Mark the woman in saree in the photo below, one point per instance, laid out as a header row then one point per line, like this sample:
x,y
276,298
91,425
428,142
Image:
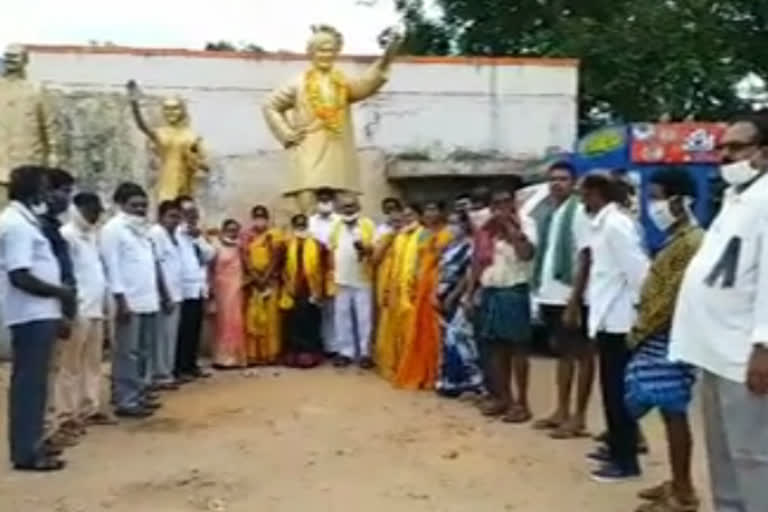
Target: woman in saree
x,y
418,365
388,251
228,279
303,292
262,252
459,370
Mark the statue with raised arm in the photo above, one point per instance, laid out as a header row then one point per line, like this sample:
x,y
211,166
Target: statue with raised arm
x,y
179,149
26,124
311,116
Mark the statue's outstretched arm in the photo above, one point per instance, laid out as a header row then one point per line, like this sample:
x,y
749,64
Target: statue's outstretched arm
x,y
376,76
141,124
274,109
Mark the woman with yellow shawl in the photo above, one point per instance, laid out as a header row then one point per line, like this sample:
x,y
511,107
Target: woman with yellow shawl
x,y
262,252
389,248
303,291
419,361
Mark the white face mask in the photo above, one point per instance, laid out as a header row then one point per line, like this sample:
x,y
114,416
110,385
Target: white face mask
x,y
738,173
352,217
39,208
326,207
661,214
480,217
136,222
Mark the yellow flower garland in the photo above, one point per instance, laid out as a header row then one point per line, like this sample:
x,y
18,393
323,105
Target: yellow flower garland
x,y
330,111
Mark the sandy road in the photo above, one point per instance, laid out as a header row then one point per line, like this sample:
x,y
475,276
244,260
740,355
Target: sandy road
x,y
323,441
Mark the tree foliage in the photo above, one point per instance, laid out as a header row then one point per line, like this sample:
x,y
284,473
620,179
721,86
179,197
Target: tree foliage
x,y
639,60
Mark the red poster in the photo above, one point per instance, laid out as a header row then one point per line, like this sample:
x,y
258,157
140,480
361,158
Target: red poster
x,y
675,143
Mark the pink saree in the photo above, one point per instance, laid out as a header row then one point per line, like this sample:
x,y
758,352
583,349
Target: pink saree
x,y
228,280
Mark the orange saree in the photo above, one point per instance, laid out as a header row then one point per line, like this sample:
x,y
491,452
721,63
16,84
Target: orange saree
x,y
419,361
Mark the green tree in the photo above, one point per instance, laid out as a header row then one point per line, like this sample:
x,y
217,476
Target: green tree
x,y
639,60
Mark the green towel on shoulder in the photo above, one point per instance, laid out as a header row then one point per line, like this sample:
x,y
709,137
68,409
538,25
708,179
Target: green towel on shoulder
x,y
564,250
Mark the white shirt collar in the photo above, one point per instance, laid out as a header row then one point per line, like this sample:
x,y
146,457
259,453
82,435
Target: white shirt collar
x,y
598,219
25,212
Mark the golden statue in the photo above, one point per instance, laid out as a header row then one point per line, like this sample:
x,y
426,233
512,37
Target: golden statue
x,y
180,150
26,126
311,116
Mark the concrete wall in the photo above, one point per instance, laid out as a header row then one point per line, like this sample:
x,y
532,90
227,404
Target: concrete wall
x,y
436,108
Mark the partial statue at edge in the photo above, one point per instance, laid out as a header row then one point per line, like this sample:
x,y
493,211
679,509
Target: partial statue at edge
x,y
26,124
179,148
311,116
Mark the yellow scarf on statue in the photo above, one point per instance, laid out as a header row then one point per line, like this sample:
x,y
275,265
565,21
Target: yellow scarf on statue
x,y
311,265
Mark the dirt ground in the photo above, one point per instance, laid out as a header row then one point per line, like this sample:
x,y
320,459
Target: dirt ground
x,y
324,440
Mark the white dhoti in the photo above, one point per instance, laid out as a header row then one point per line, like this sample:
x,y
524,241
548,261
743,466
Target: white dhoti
x,y
353,321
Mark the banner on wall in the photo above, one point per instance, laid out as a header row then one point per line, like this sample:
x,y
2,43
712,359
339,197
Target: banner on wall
x,y
675,143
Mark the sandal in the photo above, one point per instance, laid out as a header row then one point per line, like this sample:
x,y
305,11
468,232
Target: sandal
x,y
518,415
569,432
670,504
494,408
656,493
547,424
101,419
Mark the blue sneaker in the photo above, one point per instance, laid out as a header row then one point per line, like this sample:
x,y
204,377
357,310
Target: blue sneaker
x,y
611,473
600,454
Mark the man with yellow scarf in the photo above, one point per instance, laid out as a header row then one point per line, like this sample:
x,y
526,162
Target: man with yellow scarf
x,y
351,244
303,290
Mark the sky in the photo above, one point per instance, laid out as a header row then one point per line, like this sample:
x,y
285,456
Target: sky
x,y
272,24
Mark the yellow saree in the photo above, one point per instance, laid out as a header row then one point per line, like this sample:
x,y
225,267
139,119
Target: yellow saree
x,y
262,316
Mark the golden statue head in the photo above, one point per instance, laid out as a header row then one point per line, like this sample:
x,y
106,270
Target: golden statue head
x,y
174,111
15,60
324,46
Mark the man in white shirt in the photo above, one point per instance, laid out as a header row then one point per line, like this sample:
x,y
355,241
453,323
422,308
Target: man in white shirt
x,y
166,246
721,323
618,269
351,244
196,253
81,369
32,296
320,226
559,278
133,281
322,221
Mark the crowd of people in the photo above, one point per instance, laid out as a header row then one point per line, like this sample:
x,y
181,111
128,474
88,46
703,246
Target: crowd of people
x,y
433,298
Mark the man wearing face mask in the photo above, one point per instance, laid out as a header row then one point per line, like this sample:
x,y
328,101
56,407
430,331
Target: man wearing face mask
x,y
62,426
721,322
83,368
319,228
652,381
195,255
133,281
32,295
166,246
351,244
